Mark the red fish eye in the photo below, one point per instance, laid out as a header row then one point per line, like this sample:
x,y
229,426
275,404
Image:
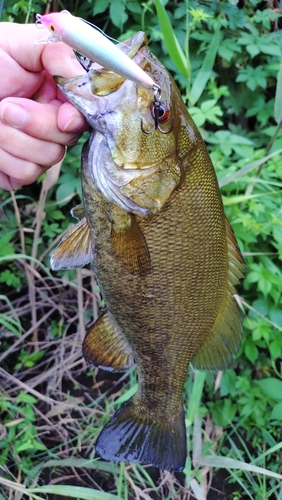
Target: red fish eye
x,y
163,114
52,27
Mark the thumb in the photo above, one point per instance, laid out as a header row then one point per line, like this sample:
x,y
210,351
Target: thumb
x,y
59,60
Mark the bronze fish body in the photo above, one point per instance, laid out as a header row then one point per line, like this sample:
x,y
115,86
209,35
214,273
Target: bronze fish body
x,y
164,255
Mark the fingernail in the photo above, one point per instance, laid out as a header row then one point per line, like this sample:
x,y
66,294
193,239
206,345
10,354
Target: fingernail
x,y
13,115
75,124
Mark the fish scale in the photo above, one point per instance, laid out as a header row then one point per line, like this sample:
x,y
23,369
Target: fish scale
x,y
164,255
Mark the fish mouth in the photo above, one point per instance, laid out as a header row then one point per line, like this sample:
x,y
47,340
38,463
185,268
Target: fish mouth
x,y
66,82
60,80
78,91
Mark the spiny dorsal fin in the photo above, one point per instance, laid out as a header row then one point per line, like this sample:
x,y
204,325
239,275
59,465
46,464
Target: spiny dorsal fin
x,y
105,346
75,248
224,341
131,248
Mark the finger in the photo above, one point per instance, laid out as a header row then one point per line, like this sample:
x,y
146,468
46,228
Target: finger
x,y
15,80
70,120
33,56
6,183
23,146
15,36
26,65
48,90
37,121
59,60
16,172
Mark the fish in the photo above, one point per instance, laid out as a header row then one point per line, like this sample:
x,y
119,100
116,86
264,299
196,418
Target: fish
x,y
153,227
92,44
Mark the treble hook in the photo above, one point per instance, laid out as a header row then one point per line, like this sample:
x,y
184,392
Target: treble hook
x,y
38,21
156,111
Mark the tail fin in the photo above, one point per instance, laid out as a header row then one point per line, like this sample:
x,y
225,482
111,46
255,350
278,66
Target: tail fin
x,y
131,437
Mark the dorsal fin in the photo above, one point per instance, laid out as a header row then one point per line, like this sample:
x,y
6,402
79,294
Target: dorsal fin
x,y
224,341
236,261
75,248
106,347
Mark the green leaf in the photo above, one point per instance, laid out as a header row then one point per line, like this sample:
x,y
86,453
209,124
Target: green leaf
x,y
30,444
269,48
227,49
223,412
205,72
248,168
253,50
94,464
118,14
173,47
232,463
276,413
74,492
251,351
241,198
275,315
127,395
100,6
195,397
68,187
11,324
271,387
57,215
26,398
275,349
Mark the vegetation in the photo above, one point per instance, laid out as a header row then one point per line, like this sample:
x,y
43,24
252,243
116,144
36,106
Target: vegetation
x,y
226,58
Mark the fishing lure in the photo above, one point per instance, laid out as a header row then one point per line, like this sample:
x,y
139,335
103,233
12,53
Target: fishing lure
x,y
91,43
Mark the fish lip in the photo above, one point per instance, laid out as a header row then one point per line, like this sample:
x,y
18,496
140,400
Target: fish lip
x,y
62,81
78,90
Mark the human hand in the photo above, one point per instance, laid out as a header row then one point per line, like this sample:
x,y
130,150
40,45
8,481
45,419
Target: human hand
x,y
36,122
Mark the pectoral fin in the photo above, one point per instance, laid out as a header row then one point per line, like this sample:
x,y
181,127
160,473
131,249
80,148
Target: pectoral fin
x,y
105,346
131,248
75,248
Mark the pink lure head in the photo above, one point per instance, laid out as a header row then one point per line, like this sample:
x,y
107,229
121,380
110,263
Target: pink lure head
x,y
53,22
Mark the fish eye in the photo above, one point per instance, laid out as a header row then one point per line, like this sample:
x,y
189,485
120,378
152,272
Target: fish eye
x,y
52,27
159,111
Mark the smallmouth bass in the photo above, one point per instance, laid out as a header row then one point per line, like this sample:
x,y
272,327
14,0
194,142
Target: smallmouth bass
x,y
164,255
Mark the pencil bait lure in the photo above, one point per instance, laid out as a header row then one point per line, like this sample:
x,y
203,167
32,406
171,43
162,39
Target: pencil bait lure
x,y
91,43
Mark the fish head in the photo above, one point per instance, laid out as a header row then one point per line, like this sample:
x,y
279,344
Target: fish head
x,y
143,148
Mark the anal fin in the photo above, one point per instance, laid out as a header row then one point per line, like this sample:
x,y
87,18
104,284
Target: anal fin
x,y
75,248
104,346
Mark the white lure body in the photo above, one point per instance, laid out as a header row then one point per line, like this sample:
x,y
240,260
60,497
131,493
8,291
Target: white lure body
x,y
91,43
